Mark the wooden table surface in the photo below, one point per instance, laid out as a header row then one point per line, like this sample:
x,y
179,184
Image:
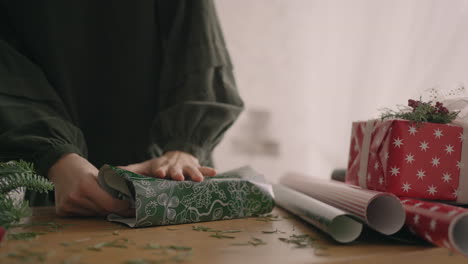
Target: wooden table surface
x,y
71,240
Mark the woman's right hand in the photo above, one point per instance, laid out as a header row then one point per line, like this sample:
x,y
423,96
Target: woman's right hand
x,y
77,191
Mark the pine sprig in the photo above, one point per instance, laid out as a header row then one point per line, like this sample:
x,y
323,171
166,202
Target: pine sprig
x,y
423,112
10,167
28,180
11,211
15,175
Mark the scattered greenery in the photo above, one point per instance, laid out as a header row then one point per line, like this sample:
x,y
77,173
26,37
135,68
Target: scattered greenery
x,y
182,253
300,241
173,247
268,218
208,229
253,242
118,243
273,232
420,111
220,236
25,255
50,226
24,235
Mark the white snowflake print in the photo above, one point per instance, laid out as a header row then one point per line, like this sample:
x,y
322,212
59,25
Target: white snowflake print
x,y
452,213
433,224
409,158
449,149
356,147
424,146
438,133
432,190
459,165
434,208
404,201
461,137
398,142
418,204
406,187
369,176
446,177
412,130
381,180
428,237
376,166
435,161
394,171
416,219
421,174
455,193
386,155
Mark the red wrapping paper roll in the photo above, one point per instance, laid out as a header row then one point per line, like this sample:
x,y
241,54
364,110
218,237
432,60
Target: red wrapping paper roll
x,y
441,224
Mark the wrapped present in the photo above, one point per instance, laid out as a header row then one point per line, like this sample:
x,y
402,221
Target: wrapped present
x,y
407,158
440,224
238,193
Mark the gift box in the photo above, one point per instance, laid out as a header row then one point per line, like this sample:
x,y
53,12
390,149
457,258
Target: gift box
x,y
238,193
419,160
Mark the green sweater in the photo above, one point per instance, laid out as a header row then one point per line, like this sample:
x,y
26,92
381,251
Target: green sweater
x,y
115,81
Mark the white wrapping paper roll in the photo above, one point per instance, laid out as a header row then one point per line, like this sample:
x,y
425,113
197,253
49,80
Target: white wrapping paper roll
x,y
333,221
381,211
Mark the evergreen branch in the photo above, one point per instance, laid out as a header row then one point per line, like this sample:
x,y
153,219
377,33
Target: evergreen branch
x,y
10,167
423,112
15,175
27,180
11,211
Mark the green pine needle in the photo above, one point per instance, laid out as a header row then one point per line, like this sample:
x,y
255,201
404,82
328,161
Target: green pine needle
x,y
11,211
422,112
13,176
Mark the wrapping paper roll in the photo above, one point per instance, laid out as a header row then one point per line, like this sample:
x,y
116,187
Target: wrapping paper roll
x,y
335,222
381,211
441,224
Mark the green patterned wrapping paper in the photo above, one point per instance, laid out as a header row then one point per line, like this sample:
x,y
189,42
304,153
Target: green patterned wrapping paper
x,y
234,194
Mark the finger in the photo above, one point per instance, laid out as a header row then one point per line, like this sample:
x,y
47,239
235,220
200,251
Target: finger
x,y
160,172
194,173
139,168
207,171
176,174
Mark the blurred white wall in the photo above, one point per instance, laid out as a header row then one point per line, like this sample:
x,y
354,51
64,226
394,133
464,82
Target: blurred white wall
x,y
307,68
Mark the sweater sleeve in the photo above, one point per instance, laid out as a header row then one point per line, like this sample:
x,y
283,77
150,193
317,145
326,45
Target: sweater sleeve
x,y
34,123
199,100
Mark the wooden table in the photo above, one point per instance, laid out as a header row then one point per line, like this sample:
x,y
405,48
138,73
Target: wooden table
x,y
69,242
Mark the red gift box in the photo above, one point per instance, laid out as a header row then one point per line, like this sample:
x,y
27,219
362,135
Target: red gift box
x,y
408,159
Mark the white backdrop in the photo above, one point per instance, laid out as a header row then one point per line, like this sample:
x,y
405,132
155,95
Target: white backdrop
x,y
307,68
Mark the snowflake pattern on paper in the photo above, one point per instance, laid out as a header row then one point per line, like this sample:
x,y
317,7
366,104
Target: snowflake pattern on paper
x,y
433,221
420,161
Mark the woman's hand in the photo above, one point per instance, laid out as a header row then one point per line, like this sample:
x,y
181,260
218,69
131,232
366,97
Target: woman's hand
x,y
77,191
175,165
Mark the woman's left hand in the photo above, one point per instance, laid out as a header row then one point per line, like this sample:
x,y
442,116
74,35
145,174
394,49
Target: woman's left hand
x,y
175,165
